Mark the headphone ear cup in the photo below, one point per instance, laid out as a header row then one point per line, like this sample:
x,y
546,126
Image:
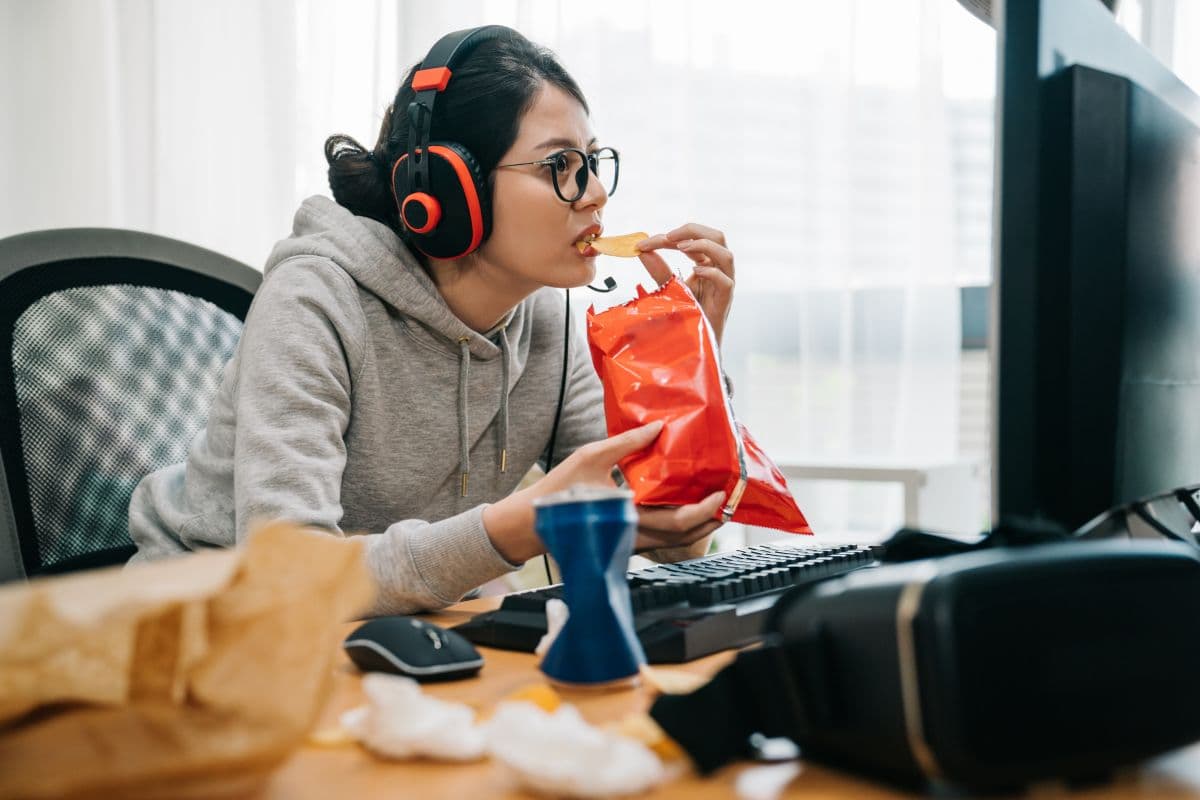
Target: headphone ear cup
x,y
455,217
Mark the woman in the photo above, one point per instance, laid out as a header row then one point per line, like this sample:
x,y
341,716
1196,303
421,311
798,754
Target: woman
x,y
379,390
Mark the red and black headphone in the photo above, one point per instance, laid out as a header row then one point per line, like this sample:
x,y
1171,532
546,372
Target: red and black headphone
x,y
439,188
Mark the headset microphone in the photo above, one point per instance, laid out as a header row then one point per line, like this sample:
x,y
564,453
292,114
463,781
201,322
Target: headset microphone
x,y
609,285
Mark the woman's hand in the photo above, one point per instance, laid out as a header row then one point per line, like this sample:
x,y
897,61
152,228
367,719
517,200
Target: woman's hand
x,y
712,278
675,531
509,523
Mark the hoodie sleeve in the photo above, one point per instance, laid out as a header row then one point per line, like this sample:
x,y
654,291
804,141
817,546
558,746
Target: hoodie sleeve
x,y
293,397
300,350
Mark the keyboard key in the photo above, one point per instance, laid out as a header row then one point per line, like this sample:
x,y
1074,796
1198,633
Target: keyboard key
x,y
666,594
702,594
526,601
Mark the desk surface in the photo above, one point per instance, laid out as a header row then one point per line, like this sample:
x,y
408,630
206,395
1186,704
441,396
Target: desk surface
x,y
349,771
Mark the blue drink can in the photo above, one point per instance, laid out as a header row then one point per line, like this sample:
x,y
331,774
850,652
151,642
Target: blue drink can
x,y
590,531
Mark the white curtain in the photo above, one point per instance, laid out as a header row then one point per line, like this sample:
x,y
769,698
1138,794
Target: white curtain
x,y
819,136
199,121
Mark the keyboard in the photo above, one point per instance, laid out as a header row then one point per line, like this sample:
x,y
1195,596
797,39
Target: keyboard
x,y
689,609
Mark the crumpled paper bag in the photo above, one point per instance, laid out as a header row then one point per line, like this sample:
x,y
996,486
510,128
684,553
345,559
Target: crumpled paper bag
x,y
194,676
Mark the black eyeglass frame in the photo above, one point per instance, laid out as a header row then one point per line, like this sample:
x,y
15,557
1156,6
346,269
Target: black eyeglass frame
x,y
590,162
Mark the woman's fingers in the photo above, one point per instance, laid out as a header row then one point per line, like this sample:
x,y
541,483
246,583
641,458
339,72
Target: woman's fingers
x,y
705,253
693,230
656,242
678,527
656,265
655,540
705,247
607,452
720,283
681,518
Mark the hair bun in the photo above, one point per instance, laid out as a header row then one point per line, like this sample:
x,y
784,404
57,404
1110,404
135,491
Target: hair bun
x,y
340,146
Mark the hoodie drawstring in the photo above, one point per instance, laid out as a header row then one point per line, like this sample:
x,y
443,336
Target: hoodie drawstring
x,y
464,365
504,401
464,454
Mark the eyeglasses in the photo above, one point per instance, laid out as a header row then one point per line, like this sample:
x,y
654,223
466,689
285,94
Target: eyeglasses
x,y
569,170
1174,515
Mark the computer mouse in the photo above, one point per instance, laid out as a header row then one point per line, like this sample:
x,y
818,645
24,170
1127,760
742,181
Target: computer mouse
x,y
413,648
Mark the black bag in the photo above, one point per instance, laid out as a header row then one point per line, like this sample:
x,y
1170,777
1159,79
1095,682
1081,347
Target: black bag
x,y
990,669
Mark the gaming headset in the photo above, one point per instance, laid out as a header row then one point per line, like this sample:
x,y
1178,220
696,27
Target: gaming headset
x,y
439,188
443,199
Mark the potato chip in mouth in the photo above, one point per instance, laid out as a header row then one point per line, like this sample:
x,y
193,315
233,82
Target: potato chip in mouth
x,y
622,246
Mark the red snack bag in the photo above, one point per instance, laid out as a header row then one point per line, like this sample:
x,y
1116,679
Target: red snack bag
x,y
657,359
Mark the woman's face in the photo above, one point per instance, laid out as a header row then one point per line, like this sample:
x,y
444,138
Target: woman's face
x,y
533,230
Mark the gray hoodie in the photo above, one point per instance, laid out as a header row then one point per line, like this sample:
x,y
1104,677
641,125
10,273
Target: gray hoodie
x,y
358,402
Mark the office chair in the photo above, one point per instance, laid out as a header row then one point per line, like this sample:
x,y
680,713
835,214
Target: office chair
x,y
113,344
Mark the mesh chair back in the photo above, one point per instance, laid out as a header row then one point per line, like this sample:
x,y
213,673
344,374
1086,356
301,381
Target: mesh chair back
x,y
112,382
111,365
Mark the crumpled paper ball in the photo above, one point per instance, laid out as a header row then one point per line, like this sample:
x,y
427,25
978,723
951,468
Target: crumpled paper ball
x,y
401,721
560,754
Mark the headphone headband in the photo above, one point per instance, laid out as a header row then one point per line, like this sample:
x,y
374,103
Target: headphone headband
x,y
441,192
432,77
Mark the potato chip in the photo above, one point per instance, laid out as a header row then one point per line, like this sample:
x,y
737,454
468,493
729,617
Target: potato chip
x,y
672,681
642,728
622,246
336,736
540,694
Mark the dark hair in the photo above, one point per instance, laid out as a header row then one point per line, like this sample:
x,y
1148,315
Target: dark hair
x,y
481,109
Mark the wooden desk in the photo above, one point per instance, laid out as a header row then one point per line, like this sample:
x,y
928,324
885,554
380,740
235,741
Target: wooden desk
x,y
351,772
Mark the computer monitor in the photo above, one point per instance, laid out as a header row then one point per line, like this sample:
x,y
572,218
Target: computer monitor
x,y
1097,254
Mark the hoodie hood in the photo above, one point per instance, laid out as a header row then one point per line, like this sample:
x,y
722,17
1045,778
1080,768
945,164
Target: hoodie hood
x,y
380,262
